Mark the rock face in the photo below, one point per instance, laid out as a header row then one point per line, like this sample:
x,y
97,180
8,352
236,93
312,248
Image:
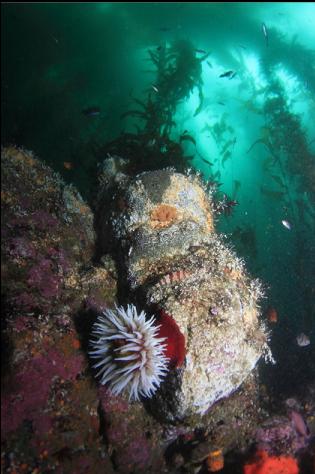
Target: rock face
x,y
176,264
54,417
41,253
49,417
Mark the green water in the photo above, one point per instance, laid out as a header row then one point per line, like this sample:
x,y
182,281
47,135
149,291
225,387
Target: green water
x,y
256,127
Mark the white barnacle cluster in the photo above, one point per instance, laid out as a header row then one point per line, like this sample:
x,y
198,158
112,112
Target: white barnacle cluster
x,y
131,356
256,289
265,350
267,354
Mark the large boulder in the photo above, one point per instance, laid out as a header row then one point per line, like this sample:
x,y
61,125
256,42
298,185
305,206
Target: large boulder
x,y
178,268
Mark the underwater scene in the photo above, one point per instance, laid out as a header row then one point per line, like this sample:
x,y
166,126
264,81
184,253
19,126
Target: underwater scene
x,y
158,238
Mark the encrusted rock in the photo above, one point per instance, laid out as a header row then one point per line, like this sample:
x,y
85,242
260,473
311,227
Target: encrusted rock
x,y
176,264
49,419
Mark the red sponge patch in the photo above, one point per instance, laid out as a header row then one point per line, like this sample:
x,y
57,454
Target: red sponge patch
x,y
265,464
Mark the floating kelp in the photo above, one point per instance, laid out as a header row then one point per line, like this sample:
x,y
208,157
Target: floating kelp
x,y
272,194
178,72
134,113
236,187
278,180
201,97
219,129
145,151
225,157
269,162
228,144
286,133
263,141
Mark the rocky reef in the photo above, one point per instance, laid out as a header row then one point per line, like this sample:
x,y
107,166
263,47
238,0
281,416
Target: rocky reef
x,y
58,275
49,407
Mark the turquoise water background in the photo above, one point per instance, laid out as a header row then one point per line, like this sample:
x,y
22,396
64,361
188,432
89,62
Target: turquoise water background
x,y
256,129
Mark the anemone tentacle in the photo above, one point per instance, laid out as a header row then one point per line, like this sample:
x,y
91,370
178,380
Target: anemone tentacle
x,y
139,364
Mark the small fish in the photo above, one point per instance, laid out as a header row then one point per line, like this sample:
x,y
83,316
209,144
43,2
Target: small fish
x,y
209,64
201,51
265,32
155,88
206,161
303,340
272,194
185,136
286,224
55,39
272,315
68,165
221,103
227,74
91,111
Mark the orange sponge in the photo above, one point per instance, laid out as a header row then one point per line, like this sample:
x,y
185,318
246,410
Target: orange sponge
x,y
265,464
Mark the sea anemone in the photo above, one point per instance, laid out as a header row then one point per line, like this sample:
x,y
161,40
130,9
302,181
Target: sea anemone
x,y
132,357
175,349
163,216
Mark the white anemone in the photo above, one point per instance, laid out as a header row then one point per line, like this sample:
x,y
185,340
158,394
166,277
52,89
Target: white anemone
x,y
131,356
